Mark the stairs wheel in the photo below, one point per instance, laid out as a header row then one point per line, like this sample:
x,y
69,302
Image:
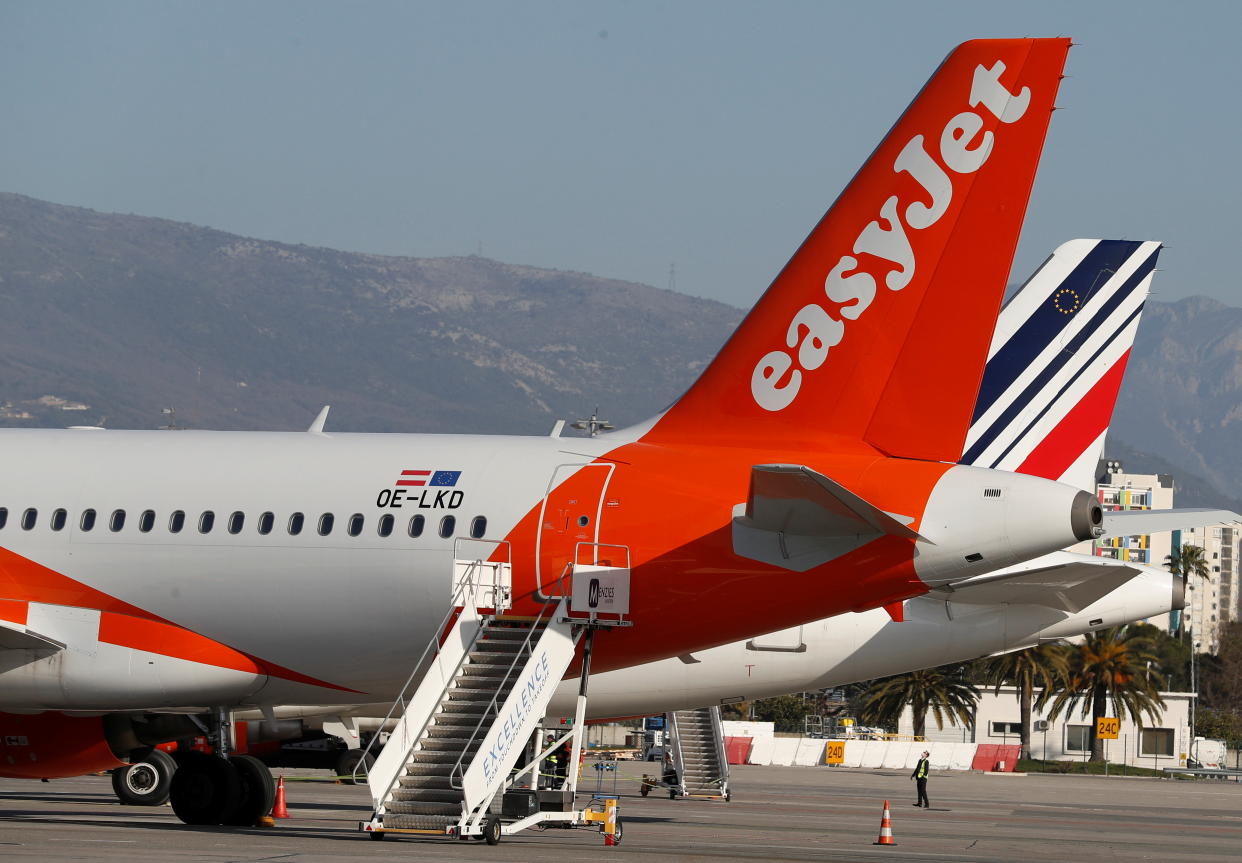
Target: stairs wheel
x,y
728,796
616,831
377,835
672,794
491,830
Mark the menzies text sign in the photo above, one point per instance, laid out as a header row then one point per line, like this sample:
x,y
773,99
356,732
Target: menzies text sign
x,y
600,590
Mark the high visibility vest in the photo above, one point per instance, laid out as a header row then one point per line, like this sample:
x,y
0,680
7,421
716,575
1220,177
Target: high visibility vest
x,y
920,772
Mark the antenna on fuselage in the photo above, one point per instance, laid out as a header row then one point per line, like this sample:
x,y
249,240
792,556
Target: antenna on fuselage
x,y
594,425
171,413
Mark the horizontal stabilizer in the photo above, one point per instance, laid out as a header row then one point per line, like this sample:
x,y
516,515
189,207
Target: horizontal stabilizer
x,y
1067,587
797,519
795,499
16,637
1130,522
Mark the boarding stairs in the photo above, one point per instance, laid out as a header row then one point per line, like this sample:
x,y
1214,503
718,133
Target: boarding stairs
x,y
697,744
463,719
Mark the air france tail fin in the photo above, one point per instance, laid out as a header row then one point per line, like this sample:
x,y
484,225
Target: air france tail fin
x,y
877,329
1057,360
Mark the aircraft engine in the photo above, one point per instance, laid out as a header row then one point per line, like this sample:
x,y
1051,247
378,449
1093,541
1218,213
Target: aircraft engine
x,y
979,520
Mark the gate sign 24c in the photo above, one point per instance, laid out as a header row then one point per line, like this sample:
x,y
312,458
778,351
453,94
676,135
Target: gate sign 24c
x,y
1106,727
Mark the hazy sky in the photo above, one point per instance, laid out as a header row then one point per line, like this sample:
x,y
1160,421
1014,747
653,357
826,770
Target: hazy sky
x,y
610,137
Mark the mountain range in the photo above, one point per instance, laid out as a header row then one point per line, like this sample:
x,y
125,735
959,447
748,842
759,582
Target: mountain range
x,y
117,319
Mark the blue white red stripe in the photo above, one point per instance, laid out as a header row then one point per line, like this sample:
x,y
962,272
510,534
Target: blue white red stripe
x,y
1056,360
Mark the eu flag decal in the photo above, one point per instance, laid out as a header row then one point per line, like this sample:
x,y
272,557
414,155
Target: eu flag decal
x,y
445,477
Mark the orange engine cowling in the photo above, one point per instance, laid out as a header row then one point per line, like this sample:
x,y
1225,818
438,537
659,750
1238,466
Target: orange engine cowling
x,y
51,745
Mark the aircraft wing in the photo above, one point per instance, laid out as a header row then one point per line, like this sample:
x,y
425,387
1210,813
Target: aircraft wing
x,y
1070,586
1128,522
16,637
797,518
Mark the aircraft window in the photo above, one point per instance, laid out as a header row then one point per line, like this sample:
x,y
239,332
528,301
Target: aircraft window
x,y
176,521
29,517
416,526
4,515
206,521
447,525
88,519
355,524
385,525
295,523
117,521
478,527
266,522
325,523
59,517
146,521
236,522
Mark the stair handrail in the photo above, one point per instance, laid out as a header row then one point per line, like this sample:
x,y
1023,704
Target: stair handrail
x,y
673,736
465,588
722,754
457,773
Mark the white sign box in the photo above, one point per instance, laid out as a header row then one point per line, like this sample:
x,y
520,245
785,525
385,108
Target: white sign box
x,y
600,590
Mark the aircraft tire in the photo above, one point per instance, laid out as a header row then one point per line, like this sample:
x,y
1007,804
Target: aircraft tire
x,y
205,789
258,791
145,780
349,761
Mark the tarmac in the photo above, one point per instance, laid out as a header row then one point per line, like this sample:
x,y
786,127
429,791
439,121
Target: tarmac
x,y
777,813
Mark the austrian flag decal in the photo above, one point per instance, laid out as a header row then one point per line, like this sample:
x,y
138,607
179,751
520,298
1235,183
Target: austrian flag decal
x,y
422,489
426,477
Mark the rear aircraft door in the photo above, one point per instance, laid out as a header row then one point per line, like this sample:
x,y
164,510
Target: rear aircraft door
x,y
570,515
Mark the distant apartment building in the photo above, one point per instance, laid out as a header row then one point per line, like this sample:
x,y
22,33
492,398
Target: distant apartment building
x,y
1212,600
1116,490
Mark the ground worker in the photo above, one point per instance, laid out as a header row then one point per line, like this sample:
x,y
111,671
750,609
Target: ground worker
x,y
920,779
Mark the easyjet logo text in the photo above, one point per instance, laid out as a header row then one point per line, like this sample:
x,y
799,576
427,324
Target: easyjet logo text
x,y
963,148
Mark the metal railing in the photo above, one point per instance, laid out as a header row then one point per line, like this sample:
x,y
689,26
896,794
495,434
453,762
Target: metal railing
x,y
469,588
524,652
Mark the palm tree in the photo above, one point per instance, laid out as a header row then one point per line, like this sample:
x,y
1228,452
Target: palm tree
x,y
1187,561
944,691
1045,667
1110,666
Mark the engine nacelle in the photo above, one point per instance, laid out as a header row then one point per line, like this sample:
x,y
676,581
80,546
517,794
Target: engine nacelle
x,y
52,746
979,520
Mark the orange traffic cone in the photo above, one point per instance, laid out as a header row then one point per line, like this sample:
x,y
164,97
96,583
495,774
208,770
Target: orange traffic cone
x,y
279,810
886,829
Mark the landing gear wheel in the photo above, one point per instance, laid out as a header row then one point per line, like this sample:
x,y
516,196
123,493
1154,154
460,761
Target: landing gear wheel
x,y
348,764
491,830
205,789
644,789
258,791
145,781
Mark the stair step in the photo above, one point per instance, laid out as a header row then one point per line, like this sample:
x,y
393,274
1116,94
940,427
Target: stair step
x,y
463,693
402,807
428,795
450,744
419,822
426,782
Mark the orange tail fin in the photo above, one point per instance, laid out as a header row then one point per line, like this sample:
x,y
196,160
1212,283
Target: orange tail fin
x,y
878,328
